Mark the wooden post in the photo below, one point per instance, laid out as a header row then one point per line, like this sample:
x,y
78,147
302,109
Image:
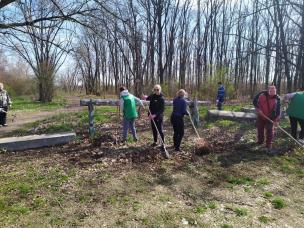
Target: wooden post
x,y
91,119
195,114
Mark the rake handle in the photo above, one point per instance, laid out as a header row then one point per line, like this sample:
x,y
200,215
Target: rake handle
x,y
289,135
194,126
167,154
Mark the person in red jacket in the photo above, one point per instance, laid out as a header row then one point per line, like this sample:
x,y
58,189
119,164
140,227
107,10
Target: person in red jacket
x,y
268,106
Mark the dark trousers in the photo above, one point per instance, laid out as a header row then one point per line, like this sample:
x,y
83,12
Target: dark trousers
x,y
262,125
294,127
159,125
219,105
3,116
178,128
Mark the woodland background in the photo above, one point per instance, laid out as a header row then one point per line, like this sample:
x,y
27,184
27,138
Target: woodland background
x,y
94,46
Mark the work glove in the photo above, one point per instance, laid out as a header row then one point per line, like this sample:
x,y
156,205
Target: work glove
x,y
152,116
142,105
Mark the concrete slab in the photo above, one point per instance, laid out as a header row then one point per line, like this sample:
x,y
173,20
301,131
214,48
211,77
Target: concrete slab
x,y
252,110
230,115
35,141
247,109
115,102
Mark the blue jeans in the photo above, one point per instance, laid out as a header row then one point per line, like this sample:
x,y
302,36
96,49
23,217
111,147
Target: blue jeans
x,y
126,125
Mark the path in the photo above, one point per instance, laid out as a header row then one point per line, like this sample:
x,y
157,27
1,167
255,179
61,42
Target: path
x,y
20,118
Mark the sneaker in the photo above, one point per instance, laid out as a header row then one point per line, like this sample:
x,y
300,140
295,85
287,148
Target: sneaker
x,y
271,151
154,144
162,147
4,125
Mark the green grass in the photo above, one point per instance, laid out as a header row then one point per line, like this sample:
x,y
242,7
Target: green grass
x,y
234,107
221,123
65,122
212,205
27,104
226,226
240,180
200,209
27,191
264,219
40,192
64,127
278,203
241,211
238,211
290,164
268,194
263,181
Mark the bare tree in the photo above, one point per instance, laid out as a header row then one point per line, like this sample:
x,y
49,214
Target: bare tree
x,y
43,45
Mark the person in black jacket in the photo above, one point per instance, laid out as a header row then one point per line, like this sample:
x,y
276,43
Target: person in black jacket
x,y
157,108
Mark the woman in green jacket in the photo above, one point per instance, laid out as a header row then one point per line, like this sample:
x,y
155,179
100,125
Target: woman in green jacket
x,y
128,108
295,111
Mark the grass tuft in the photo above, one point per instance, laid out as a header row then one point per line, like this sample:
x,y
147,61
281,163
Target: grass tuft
x,y
264,219
278,203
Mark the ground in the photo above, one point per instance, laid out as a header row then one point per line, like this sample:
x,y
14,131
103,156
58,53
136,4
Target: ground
x,y
28,112
101,182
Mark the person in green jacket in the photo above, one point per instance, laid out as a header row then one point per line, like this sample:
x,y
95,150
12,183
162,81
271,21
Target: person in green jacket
x,y
127,104
295,111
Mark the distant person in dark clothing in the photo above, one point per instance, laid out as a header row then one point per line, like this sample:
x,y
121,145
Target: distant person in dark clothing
x,y
177,118
220,96
5,102
157,108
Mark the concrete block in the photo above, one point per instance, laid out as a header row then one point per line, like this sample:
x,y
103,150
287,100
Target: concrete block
x,y
252,110
35,141
246,109
230,115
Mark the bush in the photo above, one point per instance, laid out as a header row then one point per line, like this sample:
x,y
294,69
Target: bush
x,y
18,85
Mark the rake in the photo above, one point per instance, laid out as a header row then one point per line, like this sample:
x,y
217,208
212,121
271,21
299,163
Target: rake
x,y
289,135
166,153
202,145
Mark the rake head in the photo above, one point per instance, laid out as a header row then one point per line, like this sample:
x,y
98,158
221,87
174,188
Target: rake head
x,y
202,147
